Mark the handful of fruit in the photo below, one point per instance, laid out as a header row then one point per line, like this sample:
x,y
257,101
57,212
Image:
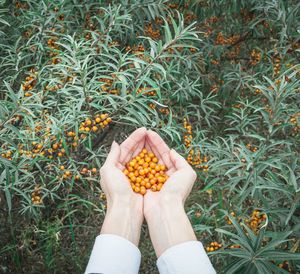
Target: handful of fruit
x,y
144,173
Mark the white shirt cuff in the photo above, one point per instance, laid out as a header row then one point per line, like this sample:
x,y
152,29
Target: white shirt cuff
x,y
189,257
113,254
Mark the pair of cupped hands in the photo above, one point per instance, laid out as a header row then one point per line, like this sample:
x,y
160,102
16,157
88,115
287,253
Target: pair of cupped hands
x,y
116,185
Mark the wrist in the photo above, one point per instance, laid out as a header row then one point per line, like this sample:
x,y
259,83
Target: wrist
x,y
124,218
165,205
168,224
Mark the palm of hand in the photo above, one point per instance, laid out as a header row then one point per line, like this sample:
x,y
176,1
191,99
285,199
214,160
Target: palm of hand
x,y
116,185
113,181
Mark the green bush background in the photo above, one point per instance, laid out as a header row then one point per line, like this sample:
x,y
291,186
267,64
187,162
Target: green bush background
x,y
231,68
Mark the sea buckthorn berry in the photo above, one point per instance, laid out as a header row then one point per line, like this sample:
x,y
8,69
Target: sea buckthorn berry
x,y
144,173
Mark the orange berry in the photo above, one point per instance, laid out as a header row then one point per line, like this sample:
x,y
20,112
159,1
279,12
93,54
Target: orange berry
x,y
144,151
141,162
68,173
143,190
148,185
154,160
150,176
153,188
62,168
153,181
126,172
148,159
141,172
161,180
137,189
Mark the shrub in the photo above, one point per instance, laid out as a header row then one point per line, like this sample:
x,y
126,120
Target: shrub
x,y
219,80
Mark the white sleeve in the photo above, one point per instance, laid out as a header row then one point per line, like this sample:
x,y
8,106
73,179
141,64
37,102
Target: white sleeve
x,y
113,254
189,257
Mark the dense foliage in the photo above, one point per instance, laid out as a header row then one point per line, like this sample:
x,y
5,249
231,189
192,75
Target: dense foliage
x,y
219,80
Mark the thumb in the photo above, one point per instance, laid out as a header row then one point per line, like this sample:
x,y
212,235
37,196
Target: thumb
x,y
114,154
178,161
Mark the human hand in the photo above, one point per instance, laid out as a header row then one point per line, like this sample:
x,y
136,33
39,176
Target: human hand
x,y
122,203
164,210
181,175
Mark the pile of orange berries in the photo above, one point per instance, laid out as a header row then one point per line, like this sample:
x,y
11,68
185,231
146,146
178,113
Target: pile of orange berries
x,y
20,5
145,173
30,82
35,196
85,171
7,155
164,111
145,92
67,174
295,121
53,88
107,86
72,138
213,246
222,40
256,219
277,66
255,57
188,137
251,147
136,49
193,158
93,125
52,43
152,32
257,91
58,149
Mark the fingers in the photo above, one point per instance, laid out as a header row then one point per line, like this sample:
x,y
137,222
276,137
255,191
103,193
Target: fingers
x,y
131,144
113,155
139,147
178,161
159,147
